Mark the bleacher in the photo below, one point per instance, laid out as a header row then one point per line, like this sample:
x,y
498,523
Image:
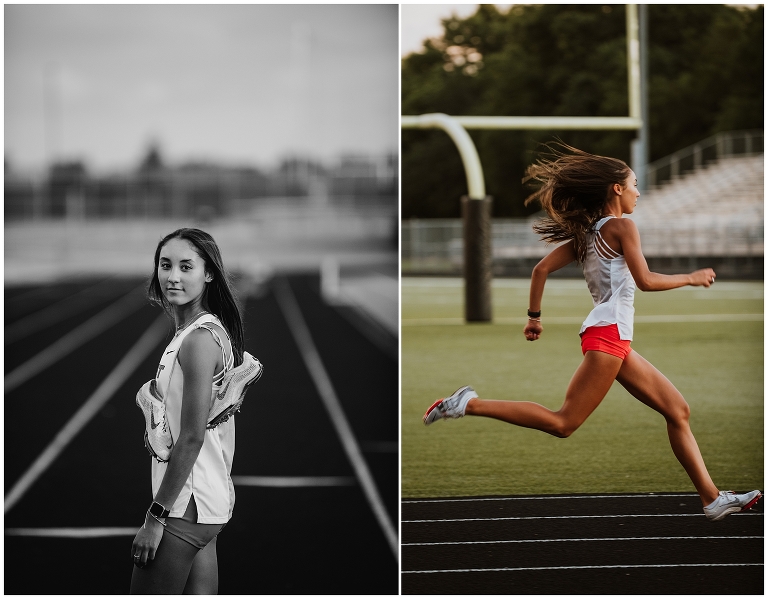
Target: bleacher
x,y
710,215
715,210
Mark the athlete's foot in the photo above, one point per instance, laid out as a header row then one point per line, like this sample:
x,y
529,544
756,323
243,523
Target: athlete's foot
x,y
453,406
729,502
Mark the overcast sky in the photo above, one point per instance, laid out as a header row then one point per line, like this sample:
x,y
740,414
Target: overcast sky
x,y
420,21
233,83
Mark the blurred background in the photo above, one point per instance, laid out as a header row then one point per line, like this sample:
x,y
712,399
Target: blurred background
x,y
705,124
275,129
128,119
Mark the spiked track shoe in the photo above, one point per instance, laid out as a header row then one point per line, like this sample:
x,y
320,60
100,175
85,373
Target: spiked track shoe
x,y
157,434
234,385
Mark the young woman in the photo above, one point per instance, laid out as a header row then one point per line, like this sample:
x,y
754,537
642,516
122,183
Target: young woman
x,y
175,550
585,197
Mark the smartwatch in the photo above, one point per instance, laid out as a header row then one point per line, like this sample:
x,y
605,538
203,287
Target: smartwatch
x,y
158,510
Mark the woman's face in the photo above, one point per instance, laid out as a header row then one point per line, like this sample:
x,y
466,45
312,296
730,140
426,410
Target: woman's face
x,y
629,194
181,272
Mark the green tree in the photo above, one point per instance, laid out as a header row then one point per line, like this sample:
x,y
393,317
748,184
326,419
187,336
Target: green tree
x,y
705,76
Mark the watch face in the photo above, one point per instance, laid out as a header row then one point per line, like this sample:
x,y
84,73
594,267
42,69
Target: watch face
x,y
156,510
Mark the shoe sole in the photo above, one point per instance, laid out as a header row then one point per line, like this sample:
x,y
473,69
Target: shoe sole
x,y
430,410
736,509
233,389
751,503
728,512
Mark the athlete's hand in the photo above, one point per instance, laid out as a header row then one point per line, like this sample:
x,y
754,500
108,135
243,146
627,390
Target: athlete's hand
x,y
533,330
146,542
703,278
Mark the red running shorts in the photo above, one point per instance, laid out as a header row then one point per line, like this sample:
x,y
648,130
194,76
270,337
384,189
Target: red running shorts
x,y
605,339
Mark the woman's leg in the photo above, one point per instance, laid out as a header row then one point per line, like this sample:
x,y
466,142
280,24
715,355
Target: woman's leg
x,y
646,383
167,573
204,576
589,385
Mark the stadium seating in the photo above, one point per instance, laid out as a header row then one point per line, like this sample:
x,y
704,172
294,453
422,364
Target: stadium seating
x,y
712,211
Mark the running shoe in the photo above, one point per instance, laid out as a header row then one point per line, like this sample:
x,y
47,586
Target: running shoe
x,y
729,502
157,434
233,387
450,407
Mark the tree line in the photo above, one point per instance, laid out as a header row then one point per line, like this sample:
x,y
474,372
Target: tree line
x,y
705,75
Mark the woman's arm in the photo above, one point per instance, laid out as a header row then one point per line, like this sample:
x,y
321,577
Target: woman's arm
x,y
561,256
198,357
622,235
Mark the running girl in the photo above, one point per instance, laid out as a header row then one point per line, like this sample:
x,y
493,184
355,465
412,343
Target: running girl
x,y
585,197
175,550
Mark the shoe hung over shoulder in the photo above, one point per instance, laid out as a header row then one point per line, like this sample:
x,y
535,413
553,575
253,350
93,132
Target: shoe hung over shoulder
x,y
157,434
729,502
225,401
452,406
233,387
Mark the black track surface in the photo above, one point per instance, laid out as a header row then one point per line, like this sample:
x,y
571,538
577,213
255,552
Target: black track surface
x,y
578,545
316,540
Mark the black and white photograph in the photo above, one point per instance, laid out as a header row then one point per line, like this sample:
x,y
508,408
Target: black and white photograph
x,y
201,299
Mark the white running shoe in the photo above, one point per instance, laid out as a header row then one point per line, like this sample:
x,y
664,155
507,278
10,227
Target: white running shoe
x,y
450,407
224,403
233,387
157,434
729,502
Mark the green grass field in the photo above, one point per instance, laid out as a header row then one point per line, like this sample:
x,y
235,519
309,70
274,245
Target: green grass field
x,y
708,342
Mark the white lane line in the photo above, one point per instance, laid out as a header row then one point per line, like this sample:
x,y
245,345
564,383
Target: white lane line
x,y
657,318
575,540
73,533
749,513
294,481
535,498
135,356
322,381
74,339
577,568
56,312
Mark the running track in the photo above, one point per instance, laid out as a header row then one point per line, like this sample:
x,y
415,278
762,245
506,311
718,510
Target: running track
x,y
316,467
600,544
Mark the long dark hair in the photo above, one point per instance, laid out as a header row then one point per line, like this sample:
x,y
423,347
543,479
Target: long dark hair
x,y
575,186
218,296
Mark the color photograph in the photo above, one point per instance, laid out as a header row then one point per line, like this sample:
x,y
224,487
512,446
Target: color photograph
x,y
582,299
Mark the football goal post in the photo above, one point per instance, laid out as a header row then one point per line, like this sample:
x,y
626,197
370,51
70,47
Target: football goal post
x,y
476,205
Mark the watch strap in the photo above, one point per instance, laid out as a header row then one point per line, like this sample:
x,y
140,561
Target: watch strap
x,y
158,510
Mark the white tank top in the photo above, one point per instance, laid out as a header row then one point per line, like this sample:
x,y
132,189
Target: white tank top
x,y
209,481
611,285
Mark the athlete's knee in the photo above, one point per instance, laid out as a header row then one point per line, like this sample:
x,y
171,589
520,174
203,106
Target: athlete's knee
x,y
563,427
679,412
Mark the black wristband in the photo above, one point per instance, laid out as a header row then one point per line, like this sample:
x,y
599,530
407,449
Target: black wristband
x,y
534,314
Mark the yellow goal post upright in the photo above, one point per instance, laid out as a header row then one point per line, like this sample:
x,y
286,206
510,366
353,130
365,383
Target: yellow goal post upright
x,y
476,205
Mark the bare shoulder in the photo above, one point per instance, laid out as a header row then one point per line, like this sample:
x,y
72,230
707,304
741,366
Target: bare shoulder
x,y
617,229
619,226
199,344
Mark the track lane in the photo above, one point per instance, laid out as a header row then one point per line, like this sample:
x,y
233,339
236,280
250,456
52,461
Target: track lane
x,y
282,431
662,543
46,402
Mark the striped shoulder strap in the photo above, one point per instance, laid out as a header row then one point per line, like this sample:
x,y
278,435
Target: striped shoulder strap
x,y
602,249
